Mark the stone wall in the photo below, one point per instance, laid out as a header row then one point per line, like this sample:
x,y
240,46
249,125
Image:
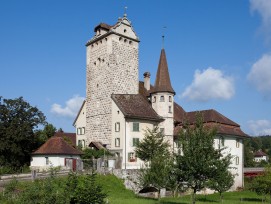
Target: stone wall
x,y
112,68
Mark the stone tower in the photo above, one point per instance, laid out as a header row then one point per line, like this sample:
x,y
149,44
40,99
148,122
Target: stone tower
x,y
112,68
162,97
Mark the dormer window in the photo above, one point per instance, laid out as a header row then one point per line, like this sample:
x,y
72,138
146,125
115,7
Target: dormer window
x,y
162,98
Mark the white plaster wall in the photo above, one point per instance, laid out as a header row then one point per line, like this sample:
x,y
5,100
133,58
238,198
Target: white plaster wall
x,y
39,161
230,143
79,123
162,108
117,116
143,125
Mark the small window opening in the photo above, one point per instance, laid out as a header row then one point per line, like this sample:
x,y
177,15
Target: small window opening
x,y
162,98
124,30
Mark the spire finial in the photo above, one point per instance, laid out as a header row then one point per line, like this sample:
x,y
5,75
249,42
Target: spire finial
x,y
163,36
125,11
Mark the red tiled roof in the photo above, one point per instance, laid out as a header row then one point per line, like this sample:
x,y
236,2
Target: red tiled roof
x,y
179,113
259,153
135,106
210,116
162,82
221,129
70,136
57,146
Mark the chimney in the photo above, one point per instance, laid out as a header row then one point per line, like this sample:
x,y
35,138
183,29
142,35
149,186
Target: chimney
x,y
147,83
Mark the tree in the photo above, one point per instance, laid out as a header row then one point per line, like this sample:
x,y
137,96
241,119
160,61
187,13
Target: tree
x,y
48,131
223,179
18,121
248,154
262,184
154,151
152,144
197,158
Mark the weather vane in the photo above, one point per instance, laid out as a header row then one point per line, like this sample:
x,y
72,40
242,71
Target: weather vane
x,y
163,36
125,11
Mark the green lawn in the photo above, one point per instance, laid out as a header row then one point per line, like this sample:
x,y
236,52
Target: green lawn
x,y
117,194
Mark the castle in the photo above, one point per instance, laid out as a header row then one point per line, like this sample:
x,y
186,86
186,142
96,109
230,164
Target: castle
x,y
119,108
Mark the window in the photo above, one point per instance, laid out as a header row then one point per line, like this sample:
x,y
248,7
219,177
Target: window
x,y
237,143
169,109
47,160
237,160
80,143
135,127
162,130
131,157
169,99
117,142
78,131
117,127
83,131
162,98
154,99
135,141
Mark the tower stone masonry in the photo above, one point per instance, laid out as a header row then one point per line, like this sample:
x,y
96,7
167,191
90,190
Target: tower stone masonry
x,y
112,68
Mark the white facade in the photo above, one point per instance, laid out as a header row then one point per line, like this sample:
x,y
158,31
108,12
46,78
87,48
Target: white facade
x,y
163,104
80,127
124,136
235,147
45,162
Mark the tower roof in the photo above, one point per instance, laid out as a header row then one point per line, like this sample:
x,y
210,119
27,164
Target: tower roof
x,y
162,82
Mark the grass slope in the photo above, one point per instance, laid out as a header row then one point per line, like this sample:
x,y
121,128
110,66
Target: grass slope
x,y
118,194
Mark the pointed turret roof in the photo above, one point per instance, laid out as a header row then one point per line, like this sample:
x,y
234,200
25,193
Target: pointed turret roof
x,y
162,82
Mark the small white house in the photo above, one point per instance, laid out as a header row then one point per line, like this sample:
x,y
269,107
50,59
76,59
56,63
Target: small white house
x,y
260,156
56,152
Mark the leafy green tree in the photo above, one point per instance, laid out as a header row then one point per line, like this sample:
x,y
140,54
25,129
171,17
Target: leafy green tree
x,y
256,143
43,135
262,184
18,121
152,144
222,179
248,153
197,158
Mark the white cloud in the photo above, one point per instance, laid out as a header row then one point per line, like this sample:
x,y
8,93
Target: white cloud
x,y
70,110
263,7
209,84
260,74
260,127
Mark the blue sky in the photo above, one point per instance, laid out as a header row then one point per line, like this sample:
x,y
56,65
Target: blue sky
x,y
218,52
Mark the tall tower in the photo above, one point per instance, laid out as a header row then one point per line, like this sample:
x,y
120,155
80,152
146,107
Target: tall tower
x,y
112,68
162,97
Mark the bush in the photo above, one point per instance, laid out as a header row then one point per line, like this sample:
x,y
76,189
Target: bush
x,y
74,189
